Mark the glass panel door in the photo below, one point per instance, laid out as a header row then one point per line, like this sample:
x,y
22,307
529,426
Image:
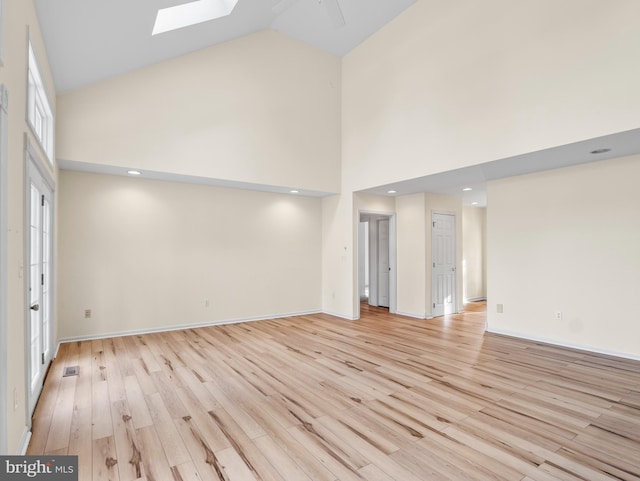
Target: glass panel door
x,y
40,276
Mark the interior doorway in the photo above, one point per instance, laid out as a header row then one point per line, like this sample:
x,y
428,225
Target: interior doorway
x,y
376,260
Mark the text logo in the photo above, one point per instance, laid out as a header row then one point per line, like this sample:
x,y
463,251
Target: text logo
x,y
55,468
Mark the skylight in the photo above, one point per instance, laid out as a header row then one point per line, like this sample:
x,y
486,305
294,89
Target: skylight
x,y
191,13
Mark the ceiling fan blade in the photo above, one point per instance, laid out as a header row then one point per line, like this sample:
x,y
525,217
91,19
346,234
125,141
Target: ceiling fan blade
x,y
335,12
282,5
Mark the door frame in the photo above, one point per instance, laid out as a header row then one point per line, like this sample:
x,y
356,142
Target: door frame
x,y
35,163
455,260
379,251
4,103
393,274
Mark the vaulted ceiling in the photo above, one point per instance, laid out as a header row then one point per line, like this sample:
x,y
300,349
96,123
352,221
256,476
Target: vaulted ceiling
x,y
91,40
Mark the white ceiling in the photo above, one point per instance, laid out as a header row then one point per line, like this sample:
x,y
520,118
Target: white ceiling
x,y
91,40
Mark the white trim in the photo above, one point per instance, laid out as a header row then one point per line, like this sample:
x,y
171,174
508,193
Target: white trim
x,y
2,30
411,314
475,299
569,345
33,163
155,330
4,123
34,156
341,316
47,144
24,442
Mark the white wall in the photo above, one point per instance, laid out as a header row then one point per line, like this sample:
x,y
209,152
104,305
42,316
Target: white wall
x,y
474,221
567,240
412,251
18,20
260,109
453,84
339,264
145,254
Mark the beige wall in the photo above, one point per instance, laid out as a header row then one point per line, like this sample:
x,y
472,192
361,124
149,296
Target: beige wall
x,y
19,22
260,109
474,220
339,264
415,250
452,84
412,252
145,254
567,240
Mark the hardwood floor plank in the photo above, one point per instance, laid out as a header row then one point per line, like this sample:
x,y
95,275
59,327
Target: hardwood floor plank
x,y
43,414
322,399
137,403
101,404
81,436
105,464
153,456
60,429
247,424
112,371
204,459
126,442
185,472
286,466
174,448
334,460
245,449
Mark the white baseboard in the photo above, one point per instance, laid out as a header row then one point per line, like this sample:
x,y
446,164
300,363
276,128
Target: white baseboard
x,y
411,314
24,442
553,342
475,299
341,316
155,330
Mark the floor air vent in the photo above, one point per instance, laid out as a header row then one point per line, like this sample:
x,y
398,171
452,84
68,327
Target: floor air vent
x,y
71,371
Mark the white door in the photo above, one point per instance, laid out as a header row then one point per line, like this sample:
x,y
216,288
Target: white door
x,y
443,237
383,262
40,275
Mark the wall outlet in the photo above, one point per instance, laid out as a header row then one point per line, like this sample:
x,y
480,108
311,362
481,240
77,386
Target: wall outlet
x,y
499,308
558,315
87,313
206,303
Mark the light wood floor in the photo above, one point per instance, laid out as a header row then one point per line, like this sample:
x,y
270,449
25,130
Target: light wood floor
x,y
319,398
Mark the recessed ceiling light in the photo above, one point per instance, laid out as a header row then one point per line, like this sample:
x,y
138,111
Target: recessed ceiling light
x,y
600,151
391,192
294,191
467,189
192,13
474,203
133,172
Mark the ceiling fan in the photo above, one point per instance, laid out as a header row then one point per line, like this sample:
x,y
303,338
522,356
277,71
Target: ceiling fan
x,y
332,7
